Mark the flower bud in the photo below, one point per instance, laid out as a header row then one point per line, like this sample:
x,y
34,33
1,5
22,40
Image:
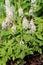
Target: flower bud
x,y
22,42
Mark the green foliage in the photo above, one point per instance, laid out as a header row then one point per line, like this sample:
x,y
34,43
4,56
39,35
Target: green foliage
x,y
39,8
2,12
10,46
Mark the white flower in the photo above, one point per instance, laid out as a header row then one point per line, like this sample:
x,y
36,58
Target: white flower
x,y
7,2
31,22
31,31
25,23
31,11
7,20
12,8
20,10
33,3
32,26
9,12
22,42
13,28
4,25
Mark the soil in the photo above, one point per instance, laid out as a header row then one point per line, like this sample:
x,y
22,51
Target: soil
x,y
30,60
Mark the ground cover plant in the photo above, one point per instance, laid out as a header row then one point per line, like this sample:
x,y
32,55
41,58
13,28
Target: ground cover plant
x,y
21,29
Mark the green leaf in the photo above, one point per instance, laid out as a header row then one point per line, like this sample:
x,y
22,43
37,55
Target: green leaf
x,y
40,51
27,37
39,36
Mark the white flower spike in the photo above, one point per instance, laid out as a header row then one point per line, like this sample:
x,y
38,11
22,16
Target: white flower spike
x,y
31,11
4,25
33,3
7,2
13,28
7,20
32,26
9,12
20,10
25,23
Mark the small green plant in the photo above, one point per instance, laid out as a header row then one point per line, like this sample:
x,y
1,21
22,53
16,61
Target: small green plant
x,y
20,42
